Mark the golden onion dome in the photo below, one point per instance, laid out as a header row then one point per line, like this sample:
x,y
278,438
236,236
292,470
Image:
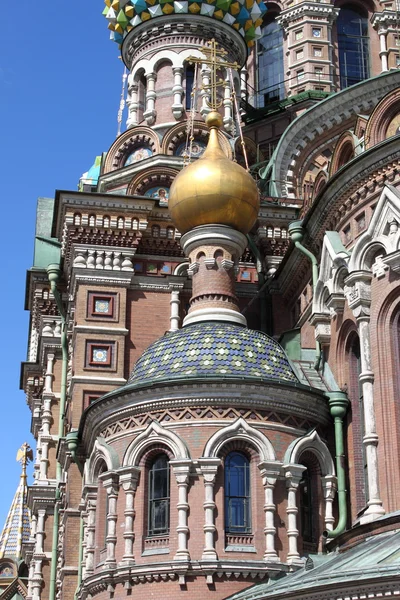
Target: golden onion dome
x,y
214,190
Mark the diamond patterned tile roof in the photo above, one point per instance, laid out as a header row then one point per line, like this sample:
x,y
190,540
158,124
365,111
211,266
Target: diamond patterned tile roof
x,y
17,528
213,349
245,16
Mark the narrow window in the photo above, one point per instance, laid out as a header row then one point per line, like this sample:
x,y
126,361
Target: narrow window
x,y
270,61
237,494
189,86
306,506
159,496
352,29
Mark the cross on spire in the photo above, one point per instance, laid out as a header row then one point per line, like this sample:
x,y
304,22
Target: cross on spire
x,y
214,54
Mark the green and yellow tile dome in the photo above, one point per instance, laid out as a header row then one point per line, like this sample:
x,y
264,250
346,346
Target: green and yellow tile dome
x,y
243,15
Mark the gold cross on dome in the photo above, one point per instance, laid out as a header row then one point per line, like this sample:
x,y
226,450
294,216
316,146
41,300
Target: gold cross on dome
x,y
214,54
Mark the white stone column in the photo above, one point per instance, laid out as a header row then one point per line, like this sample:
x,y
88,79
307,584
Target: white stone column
x,y
90,497
269,473
110,483
38,556
383,49
293,475
209,467
358,293
133,105
48,380
181,469
227,106
329,486
150,112
243,83
129,478
174,303
177,90
205,78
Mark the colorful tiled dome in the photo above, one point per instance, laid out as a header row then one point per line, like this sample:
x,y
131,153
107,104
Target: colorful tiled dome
x,y
243,15
210,350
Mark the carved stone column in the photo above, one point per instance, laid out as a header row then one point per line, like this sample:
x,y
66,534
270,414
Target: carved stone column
x,y
269,473
90,498
174,303
293,474
133,105
383,49
150,112
177,90
38,556
209,467
358,293
227,106
129,478
181,469
329,486
205,77
110,483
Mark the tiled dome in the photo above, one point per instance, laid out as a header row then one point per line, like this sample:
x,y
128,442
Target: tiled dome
x,y
210,350
243,15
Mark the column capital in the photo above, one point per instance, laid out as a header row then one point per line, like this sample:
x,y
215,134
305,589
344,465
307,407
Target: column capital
x,y
358,293
270,471
209,467
129,478
293,474
110,480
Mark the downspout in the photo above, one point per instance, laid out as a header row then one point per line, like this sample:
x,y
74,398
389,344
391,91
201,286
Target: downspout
x,y
54,274
338,405
296,233
261,281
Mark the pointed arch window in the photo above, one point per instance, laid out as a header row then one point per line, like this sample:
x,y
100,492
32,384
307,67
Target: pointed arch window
x,y
353,44
237,493
306,507
270,61
159,496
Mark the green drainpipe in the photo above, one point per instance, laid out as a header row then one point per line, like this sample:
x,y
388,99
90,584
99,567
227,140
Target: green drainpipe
x,y
261,282
54,274
338,405
296,232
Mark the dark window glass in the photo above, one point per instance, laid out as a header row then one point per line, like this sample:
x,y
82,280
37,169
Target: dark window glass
x,y
270,63
189,86
306,507
352,29
237,494
159,496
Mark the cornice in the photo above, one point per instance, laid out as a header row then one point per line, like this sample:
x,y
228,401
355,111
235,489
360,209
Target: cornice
x,y
297,400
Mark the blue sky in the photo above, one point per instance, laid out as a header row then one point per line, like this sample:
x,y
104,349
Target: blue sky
x,y
60,85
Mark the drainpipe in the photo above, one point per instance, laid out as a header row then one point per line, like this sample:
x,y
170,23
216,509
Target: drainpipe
x,y
54,275
338,405
296,232
261,282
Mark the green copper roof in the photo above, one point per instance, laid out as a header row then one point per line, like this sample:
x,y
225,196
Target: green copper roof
x,y
372,559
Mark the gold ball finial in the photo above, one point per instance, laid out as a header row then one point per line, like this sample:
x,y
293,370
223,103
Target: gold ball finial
x,y
214,119
214,190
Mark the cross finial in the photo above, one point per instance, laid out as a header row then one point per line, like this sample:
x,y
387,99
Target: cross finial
x,y
214,60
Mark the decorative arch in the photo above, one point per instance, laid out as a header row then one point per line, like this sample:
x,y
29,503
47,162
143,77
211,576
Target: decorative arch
x,y
128,141
311,442
239,430
152,177
385,115
320,182
177,136
101,453
155,433
383,232
347,147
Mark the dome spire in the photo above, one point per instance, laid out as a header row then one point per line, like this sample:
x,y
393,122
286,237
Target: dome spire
x,y
17,526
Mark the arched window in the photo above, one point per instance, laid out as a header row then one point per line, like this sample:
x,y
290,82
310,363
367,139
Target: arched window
x,y
106,222
158,497
92,220
237,493
270,61
77,219
120,222
170,233
155,231
306,507
352,32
